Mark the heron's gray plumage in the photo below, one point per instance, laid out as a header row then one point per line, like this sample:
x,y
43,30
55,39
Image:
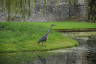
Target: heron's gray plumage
x,y
45,37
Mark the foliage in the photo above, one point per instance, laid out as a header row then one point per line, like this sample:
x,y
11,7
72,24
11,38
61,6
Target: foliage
x,y
92,10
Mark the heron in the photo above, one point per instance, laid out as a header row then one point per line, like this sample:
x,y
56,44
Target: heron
x,y
44,38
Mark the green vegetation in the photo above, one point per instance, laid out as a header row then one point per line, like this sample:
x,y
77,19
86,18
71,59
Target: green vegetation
x,y
23,36
70,25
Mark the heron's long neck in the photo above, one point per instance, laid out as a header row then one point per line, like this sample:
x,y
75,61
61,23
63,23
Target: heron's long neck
x,y
49,30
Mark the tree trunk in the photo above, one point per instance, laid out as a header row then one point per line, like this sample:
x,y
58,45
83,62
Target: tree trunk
x,y
92,11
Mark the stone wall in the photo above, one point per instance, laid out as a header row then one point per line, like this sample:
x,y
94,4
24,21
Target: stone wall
x,y
41,10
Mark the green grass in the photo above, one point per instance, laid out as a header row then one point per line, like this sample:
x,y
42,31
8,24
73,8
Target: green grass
x,y
23,36
70,24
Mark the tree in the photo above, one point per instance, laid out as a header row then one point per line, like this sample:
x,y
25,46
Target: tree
x,y
92,10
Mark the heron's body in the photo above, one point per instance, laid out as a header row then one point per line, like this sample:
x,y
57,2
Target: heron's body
x,y
45,37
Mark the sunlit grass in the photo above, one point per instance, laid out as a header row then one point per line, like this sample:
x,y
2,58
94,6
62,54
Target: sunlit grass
x,y
23,36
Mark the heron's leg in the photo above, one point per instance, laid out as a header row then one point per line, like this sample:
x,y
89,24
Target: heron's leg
x,y
38,43
42,43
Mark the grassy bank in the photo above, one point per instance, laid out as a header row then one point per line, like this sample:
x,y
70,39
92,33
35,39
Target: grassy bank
x,y
23,36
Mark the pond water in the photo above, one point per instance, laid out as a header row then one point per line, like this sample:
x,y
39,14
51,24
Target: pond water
x,y
85,53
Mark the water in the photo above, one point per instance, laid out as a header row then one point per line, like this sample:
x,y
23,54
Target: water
x,y
85,53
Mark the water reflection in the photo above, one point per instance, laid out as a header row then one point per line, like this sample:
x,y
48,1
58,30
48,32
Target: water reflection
x,y
91,57
83,54
42,59
24,58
